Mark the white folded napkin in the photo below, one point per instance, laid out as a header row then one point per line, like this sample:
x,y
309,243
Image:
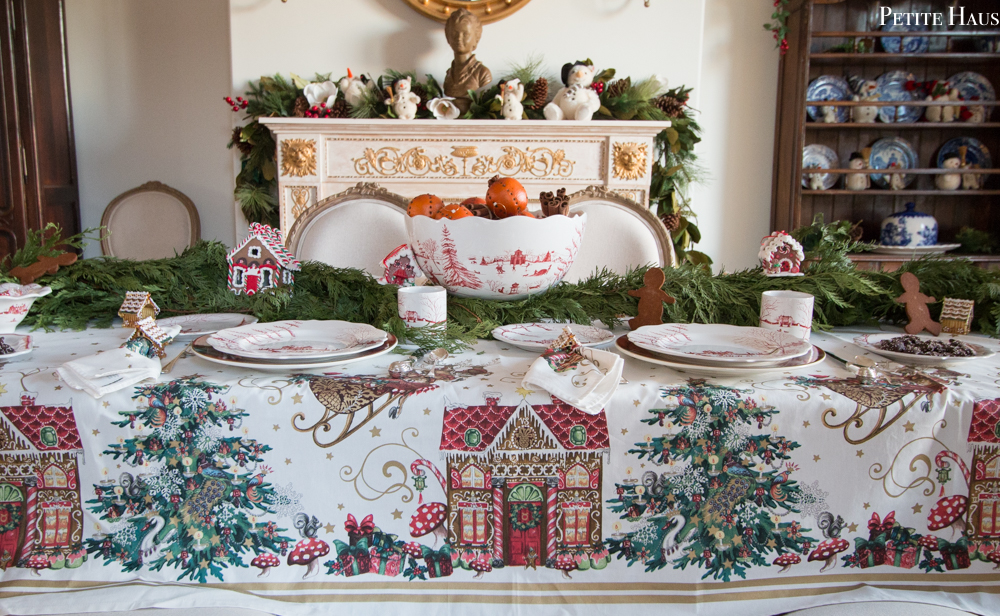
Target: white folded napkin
x,y
108,371
582,377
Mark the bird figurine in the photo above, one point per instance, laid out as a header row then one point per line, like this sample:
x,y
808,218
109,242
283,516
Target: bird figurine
x,y
897,181
949,181
355,88
857,181
404,102
816,181
511,93
830,115
576,100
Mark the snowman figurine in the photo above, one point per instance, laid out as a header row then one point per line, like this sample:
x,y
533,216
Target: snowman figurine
x,y
354,88
511,93
857,181
971,181
896,180
949,181
865,92
576,100
403,102
816,180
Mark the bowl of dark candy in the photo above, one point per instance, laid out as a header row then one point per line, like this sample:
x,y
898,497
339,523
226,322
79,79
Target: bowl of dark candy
x,y
923,350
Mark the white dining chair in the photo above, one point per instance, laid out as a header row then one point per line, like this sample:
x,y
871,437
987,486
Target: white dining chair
x,y
355,228
620,234
152,221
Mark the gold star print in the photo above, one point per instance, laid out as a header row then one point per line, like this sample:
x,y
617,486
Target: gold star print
x,y
918,508
826,396
191,531
118,465
866,506
805,424
427,411
248,542
340,506
671,498
375,432
860,453
220,464
737,540
139,446
172,461
328,528
524,392
909,426
397,515
297,399
214,540
106,404
288,461
624,431
713,529
148,498
636,402
852,528
276,427
203,563
174,521
329,456
3,390
771,543
815,458
95,431
643,465
728,564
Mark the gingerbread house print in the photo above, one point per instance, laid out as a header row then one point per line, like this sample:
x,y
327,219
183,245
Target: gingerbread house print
x,y
148,338
40,510
138,305
261,262
984,478
524,482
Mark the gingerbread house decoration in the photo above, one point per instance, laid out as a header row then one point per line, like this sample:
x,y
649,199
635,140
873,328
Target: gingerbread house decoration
x,y
781,255
956,316
983,525
138,305
40,510
148,338
261,262
524,482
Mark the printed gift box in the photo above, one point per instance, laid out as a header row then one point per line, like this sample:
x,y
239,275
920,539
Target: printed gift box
x,y
871,552
385,564
902,554
438,563
956,555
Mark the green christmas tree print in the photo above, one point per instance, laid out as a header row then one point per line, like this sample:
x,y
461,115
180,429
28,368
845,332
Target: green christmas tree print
x,y
200,490
720,497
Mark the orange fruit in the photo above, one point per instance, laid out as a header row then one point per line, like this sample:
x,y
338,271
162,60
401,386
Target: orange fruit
x,y
453,211
506,197
526,213
424,205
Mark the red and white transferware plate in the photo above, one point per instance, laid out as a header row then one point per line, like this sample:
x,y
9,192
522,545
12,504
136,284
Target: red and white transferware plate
x,y
297,339
204,350
540,336
719,344
809,360
194,325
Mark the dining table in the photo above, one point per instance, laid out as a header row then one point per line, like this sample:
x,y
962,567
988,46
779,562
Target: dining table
x,y
446,485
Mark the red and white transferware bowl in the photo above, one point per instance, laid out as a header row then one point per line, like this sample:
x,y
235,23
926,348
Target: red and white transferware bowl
x,y
15,300
504,259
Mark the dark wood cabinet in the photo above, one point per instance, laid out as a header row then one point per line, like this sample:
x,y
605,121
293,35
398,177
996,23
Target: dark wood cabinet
x,y
38,180
823,40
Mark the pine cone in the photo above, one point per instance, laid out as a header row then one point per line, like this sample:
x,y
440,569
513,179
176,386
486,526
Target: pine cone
x,y
671,221
301,107
420,91
241,145
617,87
539,93
669,105
340,109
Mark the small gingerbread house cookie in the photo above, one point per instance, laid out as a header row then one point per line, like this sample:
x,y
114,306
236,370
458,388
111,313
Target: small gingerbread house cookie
x,y
148,338
781,255
138,305
956,316
261,262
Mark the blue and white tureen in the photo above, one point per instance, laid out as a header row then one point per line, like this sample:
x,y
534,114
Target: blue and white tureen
x,y
909,229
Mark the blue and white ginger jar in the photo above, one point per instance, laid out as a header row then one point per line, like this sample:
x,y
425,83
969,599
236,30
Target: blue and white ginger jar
x,y
909,229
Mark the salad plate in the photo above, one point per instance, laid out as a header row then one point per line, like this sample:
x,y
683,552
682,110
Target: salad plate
x,y
14,345
868,342
914,250
888,152
828,88
906,44
891,86
203,349
976,153
540,336
195,325
972,86
712,344
814,357
819,156
308,340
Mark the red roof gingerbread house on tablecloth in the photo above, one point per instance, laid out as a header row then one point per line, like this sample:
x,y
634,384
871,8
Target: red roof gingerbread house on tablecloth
x,y
524,482
260,262
40,511
984,479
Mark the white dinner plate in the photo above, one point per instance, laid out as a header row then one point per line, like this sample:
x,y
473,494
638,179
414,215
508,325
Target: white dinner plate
x,y
813,358
868,341
914,250
305,340
540,336
712,344
204,350
195,325
18,343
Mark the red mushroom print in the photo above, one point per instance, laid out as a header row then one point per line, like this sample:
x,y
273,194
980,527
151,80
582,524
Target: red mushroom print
x,y
413,549
565,563
264,562
949,511
480,566
310,549
37,562
429,518
929,543
994,558
785,561
827,551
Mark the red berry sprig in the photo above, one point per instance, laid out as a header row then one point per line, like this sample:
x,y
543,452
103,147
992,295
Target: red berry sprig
x,y
239,103
598,86
319,111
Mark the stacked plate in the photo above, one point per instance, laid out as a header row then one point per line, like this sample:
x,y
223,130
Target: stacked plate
x,y
719,350
540,336
294,345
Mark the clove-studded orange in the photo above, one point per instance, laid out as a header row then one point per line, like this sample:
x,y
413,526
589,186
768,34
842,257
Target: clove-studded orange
x,y
453,211
424,205
506,197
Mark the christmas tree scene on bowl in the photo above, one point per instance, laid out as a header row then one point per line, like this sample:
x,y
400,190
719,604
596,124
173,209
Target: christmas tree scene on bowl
x,y
502,317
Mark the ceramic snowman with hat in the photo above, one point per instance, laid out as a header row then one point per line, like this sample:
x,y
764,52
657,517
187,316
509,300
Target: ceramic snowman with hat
x,y
576,100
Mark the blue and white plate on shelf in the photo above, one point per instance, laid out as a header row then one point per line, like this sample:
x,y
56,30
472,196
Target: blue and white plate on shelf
x,y
973,87
828,88
819,156
975,152
887,152
892,87
908,44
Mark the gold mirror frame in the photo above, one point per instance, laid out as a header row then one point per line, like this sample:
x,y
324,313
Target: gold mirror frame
x,y
487,11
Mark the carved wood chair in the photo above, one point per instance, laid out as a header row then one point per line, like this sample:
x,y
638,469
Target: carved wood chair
x,y
153,221
354,228
620,234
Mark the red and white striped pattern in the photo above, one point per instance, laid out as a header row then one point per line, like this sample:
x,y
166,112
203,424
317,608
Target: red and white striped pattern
x,y
31,514
550,548
415,469
498,522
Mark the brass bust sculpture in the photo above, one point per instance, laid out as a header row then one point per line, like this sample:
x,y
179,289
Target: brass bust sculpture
x,y
463,31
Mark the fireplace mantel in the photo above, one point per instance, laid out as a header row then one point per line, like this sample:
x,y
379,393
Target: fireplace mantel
x,y
453,159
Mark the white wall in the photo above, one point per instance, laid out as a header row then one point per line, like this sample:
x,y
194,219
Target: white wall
x,y
147,79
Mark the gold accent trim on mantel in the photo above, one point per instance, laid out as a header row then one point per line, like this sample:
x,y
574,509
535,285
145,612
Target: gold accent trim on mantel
x,y
538,162
487,11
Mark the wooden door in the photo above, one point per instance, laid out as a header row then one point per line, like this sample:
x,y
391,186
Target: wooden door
x,y
526,524
38,181
11,516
